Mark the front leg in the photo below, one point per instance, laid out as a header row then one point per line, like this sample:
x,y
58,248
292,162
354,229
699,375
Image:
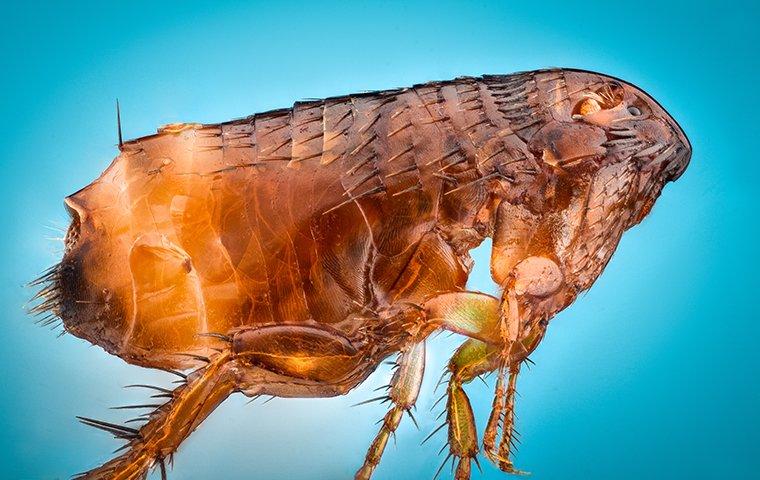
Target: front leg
x,y
522,324
533,285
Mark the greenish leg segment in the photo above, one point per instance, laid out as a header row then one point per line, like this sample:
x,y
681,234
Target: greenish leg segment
x,y
479,316
473,314
472,358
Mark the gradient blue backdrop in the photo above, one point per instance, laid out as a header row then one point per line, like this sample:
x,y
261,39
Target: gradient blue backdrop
x,y
652,374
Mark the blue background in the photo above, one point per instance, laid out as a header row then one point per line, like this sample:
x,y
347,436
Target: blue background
x,y
652,374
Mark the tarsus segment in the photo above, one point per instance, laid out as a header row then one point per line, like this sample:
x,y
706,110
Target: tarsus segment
x,y
502,415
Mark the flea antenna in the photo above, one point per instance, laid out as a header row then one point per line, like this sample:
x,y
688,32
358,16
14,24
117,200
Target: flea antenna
x,y
118,123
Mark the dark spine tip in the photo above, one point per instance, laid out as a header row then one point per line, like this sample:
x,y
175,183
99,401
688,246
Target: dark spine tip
x,y
118,124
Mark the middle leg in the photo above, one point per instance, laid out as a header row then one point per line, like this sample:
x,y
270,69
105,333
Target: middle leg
x,y
479,316
472,358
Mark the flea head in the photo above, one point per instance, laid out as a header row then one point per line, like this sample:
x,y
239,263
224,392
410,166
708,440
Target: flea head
x,y
602,124
610,148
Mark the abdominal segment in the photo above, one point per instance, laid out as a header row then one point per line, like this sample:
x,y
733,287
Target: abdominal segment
x,y
168,305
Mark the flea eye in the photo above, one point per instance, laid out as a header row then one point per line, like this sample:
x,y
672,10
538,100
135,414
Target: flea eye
x,y
589,106
634,111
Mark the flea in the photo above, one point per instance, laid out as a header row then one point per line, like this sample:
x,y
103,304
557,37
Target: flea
x,y
290,252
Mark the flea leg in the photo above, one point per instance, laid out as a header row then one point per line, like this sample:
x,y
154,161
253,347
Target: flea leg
x,y
494,345
532,290
404,388
524,262
473,314
169,425
523,317
471,359
502,414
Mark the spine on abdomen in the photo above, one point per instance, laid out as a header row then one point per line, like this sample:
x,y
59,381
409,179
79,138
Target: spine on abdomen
x,y
434,136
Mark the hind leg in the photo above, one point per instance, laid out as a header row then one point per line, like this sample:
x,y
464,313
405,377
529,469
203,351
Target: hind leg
x,y
169,425
403,391
277,360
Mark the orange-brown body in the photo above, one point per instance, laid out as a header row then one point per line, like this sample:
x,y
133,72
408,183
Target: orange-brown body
x,y
295,249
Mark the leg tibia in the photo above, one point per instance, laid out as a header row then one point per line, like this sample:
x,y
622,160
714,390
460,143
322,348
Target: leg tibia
x,y
463,436
471,359
502,415
169,425
403,392
508,427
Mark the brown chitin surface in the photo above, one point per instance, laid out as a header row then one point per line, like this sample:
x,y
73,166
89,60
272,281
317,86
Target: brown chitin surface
x,y
305,214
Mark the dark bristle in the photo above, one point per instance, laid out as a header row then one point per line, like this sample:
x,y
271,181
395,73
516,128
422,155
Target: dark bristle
x,y
195,357
118,124
162,466
443,448
175,372
118,431
46,301
438,472
132,407
434,432
150,387
47,276
376,399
